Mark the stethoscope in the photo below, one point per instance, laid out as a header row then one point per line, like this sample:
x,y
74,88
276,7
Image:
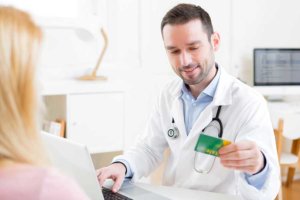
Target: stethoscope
x,y
219,126
219,122
173,133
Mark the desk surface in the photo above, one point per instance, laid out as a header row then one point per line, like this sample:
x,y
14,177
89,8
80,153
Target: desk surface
x,y
170,192
290,113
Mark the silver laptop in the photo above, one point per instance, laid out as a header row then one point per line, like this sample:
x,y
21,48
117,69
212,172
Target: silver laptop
x,y
74,160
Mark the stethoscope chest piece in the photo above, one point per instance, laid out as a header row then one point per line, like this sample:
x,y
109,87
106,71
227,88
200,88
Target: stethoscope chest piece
x,y
173,132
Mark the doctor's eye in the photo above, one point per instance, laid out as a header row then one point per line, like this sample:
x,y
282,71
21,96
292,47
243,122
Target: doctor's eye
x,y
193,48
175,52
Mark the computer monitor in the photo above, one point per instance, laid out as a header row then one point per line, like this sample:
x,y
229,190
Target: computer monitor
x,y
276,67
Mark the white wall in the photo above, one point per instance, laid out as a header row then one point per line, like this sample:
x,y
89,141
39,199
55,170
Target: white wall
x,y
135,42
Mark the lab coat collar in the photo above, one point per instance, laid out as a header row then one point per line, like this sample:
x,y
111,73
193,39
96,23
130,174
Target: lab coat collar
x,y
178,116
176,93
223,95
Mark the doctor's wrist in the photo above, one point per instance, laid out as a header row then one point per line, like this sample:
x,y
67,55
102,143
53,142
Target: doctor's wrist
x,y
116,162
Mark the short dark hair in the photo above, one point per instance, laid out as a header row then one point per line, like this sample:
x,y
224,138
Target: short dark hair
x,y
183,13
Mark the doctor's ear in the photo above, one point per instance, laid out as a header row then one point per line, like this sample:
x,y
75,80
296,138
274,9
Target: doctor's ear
x,y
215,40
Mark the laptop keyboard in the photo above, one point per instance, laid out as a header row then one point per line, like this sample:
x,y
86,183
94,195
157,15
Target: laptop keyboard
x,y
109,195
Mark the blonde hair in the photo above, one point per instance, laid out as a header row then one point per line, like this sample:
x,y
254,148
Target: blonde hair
x,y
19,106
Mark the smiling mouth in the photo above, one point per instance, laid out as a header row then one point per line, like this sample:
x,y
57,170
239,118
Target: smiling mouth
x,y
190,69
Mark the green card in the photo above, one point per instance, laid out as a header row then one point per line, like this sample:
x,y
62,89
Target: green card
x,y
210,145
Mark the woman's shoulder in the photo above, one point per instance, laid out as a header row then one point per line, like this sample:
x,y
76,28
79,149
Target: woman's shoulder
x,y
38,183
58,186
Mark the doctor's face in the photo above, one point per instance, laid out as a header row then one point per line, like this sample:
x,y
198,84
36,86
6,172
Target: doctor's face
x,y
191,51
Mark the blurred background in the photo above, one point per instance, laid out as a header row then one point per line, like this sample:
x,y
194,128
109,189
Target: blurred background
x,y
108,115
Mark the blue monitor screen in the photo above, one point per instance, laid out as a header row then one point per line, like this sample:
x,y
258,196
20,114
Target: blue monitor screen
x,y
273,66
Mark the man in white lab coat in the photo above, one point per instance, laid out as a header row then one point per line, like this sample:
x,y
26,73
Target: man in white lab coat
x,y
247,167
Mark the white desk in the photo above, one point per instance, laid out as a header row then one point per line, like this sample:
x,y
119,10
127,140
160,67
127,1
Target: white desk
x,y
129,190
290,113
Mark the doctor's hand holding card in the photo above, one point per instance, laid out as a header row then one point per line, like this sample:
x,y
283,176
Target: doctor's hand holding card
x,y
244,156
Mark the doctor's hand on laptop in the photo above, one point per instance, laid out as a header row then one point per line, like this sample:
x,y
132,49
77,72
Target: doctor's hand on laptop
x,y
115,171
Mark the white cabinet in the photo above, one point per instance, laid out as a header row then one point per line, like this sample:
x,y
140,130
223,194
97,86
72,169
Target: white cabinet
x,y
94,113
97,120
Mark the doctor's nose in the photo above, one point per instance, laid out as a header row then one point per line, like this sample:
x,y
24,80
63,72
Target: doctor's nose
x,y
185,59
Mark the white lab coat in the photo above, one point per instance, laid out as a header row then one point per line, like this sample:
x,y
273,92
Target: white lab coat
x,y
244,116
